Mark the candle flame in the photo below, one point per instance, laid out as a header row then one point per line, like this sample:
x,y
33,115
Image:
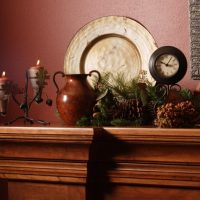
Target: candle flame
x,y
38,62
65,98
3,74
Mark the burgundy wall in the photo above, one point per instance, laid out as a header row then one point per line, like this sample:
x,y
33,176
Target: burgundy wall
x,y
32,29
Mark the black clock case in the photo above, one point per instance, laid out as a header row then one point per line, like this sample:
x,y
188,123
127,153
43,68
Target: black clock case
x,y
182,64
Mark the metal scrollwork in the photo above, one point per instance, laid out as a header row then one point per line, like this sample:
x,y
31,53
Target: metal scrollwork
x,y
163,91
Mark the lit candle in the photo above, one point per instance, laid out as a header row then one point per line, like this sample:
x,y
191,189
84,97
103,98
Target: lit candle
x,y
34,69
32,73
4,83
3,78
4,93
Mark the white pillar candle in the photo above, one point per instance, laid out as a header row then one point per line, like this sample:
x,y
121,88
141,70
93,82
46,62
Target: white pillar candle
x,y
4,93
32,73
4,81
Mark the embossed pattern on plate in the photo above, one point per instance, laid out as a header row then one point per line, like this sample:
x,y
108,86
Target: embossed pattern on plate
x,y
111,44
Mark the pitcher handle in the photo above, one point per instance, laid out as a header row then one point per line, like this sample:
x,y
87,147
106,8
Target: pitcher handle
x,y
99,77
54,79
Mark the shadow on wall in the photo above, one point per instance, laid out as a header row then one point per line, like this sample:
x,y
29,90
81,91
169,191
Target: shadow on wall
x,y
103,150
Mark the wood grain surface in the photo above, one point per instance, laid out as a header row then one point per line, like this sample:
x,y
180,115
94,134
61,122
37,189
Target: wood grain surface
x,y
99,163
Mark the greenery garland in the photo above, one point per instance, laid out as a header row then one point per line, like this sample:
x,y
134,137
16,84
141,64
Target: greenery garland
x,y
122,102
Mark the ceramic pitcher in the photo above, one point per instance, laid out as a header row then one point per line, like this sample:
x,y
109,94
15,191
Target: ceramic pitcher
x,y
77,97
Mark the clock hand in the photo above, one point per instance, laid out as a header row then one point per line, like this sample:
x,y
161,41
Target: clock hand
x,y
163,63
169,61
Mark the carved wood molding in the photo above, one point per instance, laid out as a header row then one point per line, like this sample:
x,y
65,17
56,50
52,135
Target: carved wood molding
x,y
46,134
156,135
45,171
148,156
85,135
125,173
157,174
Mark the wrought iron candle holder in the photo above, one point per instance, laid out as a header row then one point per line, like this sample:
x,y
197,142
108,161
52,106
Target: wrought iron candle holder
x,y
37,76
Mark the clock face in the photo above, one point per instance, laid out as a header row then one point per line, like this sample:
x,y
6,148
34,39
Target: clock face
x,y
167,65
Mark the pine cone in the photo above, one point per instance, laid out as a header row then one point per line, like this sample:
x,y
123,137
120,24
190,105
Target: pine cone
x,y
171,115
130,109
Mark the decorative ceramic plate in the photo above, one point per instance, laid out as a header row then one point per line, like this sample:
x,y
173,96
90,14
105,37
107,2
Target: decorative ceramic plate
x,y
111,44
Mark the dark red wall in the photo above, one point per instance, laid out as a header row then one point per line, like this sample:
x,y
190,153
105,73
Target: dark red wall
x,y
32,29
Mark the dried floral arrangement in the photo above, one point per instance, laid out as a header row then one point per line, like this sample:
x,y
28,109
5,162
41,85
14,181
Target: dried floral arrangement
x,y
137,102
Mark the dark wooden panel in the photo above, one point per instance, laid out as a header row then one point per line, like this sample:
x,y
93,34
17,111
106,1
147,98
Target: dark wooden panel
x,y
3,190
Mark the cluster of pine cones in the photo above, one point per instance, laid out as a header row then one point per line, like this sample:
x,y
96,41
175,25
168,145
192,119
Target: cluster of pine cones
x,y
171,115
124,111
129,109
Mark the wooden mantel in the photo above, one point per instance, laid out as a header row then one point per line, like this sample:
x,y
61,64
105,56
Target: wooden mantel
x,y
59,163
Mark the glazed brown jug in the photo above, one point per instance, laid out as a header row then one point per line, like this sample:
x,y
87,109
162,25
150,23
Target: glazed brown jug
x,y
77,98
